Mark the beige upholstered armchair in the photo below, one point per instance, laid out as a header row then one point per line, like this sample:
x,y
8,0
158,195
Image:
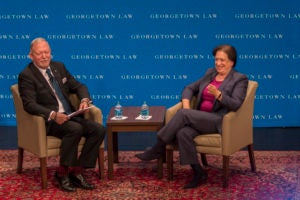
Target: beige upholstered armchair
x,y
32,136
237,133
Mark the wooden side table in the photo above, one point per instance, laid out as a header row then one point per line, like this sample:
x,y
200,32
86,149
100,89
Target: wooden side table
x,y
131,125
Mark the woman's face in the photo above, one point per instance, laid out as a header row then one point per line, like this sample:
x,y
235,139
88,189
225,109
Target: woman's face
x,y
222,63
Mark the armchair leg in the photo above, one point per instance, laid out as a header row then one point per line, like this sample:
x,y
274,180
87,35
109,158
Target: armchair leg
x,y
20,160
203,159
43,166
251,157
169,160
101,163
225,171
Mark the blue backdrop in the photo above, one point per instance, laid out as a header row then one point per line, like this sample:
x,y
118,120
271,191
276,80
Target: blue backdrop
x,y
134,51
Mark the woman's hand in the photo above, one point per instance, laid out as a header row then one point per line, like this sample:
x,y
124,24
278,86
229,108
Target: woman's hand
x,y
214,91
186,104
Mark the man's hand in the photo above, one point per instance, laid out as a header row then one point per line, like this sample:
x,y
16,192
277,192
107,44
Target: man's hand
x,y
61,118
84,105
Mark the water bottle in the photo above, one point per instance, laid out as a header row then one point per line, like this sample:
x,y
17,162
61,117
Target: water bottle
x,y
144,110
118,111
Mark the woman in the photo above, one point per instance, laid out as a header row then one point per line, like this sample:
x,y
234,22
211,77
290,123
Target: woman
x,y
220,90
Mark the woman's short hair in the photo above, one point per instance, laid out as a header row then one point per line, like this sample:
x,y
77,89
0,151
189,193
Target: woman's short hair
x,y
229,50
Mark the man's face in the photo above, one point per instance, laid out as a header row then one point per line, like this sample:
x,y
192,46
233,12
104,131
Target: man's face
x,y
41,54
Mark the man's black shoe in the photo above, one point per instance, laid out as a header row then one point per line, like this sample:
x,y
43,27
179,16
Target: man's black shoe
x,y
64,183
79,181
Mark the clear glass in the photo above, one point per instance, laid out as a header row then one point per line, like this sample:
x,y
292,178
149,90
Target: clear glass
x,y
118,111
144,110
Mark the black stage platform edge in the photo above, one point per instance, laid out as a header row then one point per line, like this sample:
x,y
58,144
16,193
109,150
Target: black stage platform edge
x,y
267,138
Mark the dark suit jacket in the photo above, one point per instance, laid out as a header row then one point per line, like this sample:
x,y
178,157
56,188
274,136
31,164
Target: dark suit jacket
x,y
38,97
233,89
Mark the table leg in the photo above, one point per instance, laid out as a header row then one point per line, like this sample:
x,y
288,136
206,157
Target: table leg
x,y
110,152
115,147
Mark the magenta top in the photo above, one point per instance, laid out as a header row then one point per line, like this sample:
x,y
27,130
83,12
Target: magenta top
x,y
207,98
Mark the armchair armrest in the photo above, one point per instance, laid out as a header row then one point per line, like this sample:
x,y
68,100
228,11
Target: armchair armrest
x,y
30,128
32,134
172,111
237,131
237,127
94,114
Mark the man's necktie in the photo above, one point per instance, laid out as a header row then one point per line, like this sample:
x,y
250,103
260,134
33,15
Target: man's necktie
x,y
59,93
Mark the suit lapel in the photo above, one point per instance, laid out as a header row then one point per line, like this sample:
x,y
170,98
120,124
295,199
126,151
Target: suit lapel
x,y
227,79
209,78
56,75
58,78
206,80
37,73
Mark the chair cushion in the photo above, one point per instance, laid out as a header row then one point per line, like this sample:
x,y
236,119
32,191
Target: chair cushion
x,y
209,140
54,142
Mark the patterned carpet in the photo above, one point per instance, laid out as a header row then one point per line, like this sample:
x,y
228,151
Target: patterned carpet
x,y
277,177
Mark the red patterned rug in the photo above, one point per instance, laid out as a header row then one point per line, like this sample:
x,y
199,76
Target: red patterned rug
x,y
277,177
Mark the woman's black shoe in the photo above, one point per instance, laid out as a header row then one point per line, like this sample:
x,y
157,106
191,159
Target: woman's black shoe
x,y
154,152
148,156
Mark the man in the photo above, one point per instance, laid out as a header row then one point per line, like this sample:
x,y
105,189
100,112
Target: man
x,y
44,87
